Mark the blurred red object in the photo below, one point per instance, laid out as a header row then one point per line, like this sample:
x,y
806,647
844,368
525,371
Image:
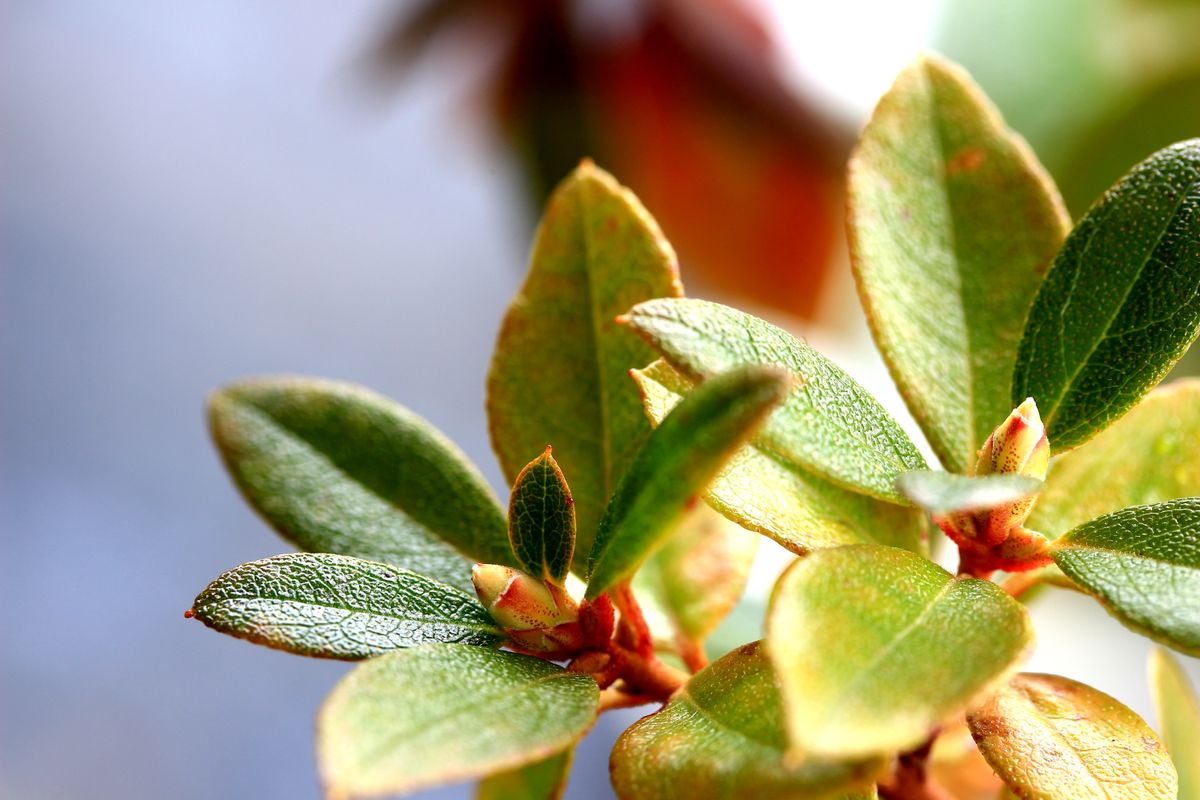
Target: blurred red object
x,y
685,102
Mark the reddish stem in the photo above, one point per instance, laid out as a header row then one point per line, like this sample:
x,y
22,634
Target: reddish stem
x,y
633,631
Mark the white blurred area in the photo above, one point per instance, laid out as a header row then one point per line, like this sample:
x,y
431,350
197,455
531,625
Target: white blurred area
x,y
190,195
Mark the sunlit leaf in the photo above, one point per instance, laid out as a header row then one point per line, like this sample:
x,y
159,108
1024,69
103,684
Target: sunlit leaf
x,y
559,374
946,492
1178,710
831,427
541,520
876,646
953,223
679,460
1121,302
1051,738
444,713
317,604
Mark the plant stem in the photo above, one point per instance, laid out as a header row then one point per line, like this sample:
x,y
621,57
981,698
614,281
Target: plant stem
x,y
909,780
633,631
612,699
649,675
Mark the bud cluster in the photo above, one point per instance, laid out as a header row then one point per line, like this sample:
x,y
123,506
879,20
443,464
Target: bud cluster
x,y
538,616
996,538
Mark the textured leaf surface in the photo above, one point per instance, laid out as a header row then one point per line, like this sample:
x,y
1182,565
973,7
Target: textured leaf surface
x,y
693,580
336,468
1148,456
541,520
1121,302
1143,564
1051,738
1178,710
781,500
542,780
875,646
831,426
446,712
559,374
317,604
679,460
722,736
946,492
953,223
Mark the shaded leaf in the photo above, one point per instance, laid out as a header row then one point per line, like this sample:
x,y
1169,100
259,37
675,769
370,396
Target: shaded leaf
x,y
444,713
336,468
559,373
946,492
876,646
317,604
953,223
1178,710
1148,456
956,766
782,500
1143,564
541,520
541,780
831,427
679,460
722,736
1050,738
1121,302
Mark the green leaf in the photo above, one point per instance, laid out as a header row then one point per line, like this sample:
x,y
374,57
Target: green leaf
x,y
679,460
1143,564
781,500
444,713
722,736
541,780
1051,738
1148,456
1178,718
831,427
695,579
559,374
541,520
946,492
875,646
1121,303
336,468
953,223
317,604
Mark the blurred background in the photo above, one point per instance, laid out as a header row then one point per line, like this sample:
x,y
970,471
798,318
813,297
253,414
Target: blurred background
x,y
194,192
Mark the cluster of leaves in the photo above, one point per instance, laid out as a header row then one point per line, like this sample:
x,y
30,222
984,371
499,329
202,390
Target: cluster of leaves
x,y
980,295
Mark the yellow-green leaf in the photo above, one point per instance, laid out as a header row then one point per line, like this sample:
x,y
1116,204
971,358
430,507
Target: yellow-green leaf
x,y
876,646
678,461
1148,456
1052,738
541,780
1178,719
780,499
722,736
541,520
559,373
953,223
444,713
336,468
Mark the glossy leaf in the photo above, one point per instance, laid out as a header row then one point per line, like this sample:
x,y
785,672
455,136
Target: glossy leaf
x,y
679,460
1051,738
782,500
1178,710
832,426
722,736
695,579
876,646
317,604
541,780
1148,456
953,223
336,468
946,492
559,374
1121,302
444,713
1143,564
541,520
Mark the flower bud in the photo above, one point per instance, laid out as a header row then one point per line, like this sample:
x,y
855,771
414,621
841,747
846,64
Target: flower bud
x,y
1018,446
519,602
